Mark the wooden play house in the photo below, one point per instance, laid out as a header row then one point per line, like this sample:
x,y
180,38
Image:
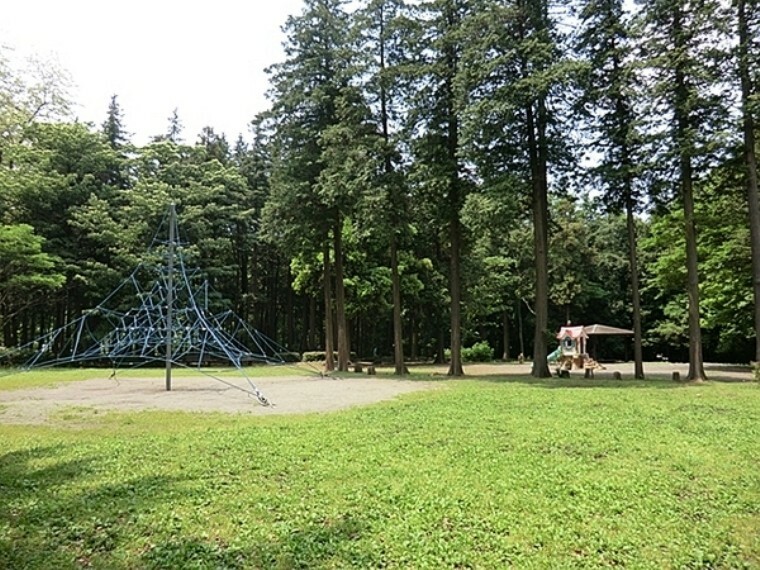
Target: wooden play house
x,y
572,352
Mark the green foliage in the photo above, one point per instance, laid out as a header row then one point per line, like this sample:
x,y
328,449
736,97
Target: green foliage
x,y
725,277
316,356
289,356
320,356
423,128
478,352
476,474
25,269
113,127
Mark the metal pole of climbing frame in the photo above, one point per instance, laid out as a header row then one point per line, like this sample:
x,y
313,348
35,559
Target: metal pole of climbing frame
x,y
170,296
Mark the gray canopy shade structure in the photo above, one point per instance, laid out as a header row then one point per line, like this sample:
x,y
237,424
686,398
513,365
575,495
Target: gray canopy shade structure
x,y
592,330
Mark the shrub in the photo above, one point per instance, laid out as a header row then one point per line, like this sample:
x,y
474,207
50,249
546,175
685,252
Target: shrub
x,y
289,356
478,352
319,356
316,356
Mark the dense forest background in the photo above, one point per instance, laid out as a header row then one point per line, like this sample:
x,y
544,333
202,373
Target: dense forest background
x,y
430,175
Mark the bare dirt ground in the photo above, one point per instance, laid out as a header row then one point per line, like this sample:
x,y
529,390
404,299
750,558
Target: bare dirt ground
x,y
290,395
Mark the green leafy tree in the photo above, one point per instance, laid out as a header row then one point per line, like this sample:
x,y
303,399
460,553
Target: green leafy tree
x,y
216,146
56,172
30,91
27,273
499,263
724,250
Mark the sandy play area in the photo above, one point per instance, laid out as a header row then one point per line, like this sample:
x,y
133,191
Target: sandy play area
x,y
289,395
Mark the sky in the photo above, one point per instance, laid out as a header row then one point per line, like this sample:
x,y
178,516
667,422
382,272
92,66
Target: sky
x,y
207,59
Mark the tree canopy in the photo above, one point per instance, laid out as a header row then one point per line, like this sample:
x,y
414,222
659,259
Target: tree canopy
x,y
429,175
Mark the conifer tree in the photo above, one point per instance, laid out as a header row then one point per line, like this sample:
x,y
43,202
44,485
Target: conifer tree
x,y
379,33
513,74
606,45
688,114
113,126
437,44
748,59
305,211
174,130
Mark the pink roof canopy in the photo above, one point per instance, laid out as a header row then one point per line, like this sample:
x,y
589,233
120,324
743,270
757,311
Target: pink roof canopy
x,y
572,332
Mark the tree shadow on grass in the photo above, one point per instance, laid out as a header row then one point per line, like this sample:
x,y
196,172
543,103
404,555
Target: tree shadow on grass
x,y
658,374
51,518
555,383
327,543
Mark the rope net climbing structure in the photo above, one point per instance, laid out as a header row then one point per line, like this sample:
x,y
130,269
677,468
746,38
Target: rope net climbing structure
x,y
158,315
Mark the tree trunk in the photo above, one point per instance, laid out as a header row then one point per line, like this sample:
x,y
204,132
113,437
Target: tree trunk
x,y
455,368
638,365
505,323
440,356
329,357
274,293
455,200
398,342
620,139
696,367
7,333
540,368
253,286
520,333
243,296
290,324
683,124
750,158
414,348
340,297
311,343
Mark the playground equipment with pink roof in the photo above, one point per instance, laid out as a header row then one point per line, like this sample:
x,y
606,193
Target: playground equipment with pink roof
x,y
572,351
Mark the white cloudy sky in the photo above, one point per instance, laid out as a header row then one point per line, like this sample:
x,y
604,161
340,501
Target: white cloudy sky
x,y
205,58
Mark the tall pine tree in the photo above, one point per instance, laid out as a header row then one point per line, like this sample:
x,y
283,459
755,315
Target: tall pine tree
x,y
305,212
748,58
113,126
684,83
609,82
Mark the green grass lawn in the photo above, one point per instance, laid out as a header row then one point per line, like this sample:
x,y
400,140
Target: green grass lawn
x,y
39,377
481,474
